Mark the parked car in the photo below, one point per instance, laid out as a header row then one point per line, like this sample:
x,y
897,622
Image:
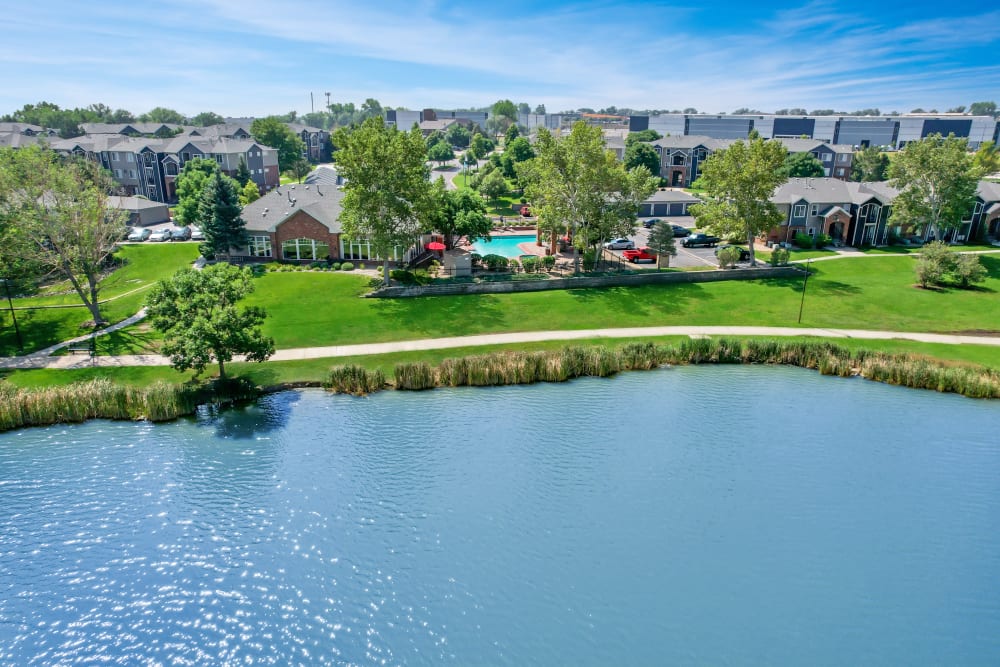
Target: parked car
x,y
180,234
526,211
197,234
648,224
619,244
680,231
640,255
139,234
160,235
744,253
700,240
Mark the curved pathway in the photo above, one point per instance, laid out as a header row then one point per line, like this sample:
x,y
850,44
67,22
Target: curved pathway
x,y
39,360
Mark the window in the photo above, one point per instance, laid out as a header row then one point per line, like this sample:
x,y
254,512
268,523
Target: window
x,y
305,249
826,171
814,209
185,156
315,140
129,157
219,158
362,250
799,211
844,157
171,169
114,157
259,246
118,173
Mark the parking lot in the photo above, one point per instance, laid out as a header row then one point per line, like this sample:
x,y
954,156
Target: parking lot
x,y
685,257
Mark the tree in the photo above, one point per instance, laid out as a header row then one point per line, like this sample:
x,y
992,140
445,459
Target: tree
x,y
163,115
458,213
249,193
371,108
728,256
197,313
937,184
576,184
959,109
506,110
219,215
540,109
458,135
494,186
207,118
242,172
986,160
441,152
387,197
640,154
435,137
661,241
271,131
802,165
519,150
524,107
300,168
190,186
983,108
642,135
480,146
512,133
58,213
739,182
969,269
869,164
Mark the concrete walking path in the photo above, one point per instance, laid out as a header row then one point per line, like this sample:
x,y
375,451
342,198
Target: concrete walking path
x,y
40,360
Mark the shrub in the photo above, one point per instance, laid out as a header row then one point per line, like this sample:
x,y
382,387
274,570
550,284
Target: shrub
x,y
779,257
335,266
548,261
495,262
823,240
936,261
968,269
476,258
272,266
803,240
347,266
728,256
402,276
530,264
317,265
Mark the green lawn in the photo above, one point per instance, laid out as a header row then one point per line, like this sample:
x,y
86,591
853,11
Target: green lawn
x,y
315,370
145,264
907,250
309,309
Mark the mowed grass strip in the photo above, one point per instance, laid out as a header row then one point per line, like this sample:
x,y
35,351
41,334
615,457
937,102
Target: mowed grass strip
x,y
316,309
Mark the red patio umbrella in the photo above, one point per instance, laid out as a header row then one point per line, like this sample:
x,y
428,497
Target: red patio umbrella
x,y
434,245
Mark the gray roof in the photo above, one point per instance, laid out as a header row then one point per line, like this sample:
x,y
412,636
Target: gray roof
x,y
324,175
692,141
831,191
299,128
809,145
134,203
674,196
120,128
436,125
17,140
988,191
117,142
322,202
220,130
23,128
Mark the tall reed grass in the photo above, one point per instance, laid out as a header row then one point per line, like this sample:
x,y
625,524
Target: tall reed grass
x,y
354,379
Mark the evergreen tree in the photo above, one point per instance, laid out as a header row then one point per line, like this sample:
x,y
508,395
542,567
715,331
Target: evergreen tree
x,y
661,241
220,215
242,172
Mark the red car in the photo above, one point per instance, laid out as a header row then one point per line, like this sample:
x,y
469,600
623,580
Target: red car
x,y
640,255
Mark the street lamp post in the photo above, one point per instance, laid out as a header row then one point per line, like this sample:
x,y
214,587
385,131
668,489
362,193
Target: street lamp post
x,y
13,315
805,284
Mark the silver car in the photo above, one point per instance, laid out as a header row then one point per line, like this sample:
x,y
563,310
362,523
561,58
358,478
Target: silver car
x,y
160,235
619,244
139,234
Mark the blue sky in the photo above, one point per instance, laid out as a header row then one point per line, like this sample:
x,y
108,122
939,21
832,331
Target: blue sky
x,y
254,57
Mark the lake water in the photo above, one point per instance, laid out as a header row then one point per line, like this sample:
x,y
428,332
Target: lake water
x,y
722,516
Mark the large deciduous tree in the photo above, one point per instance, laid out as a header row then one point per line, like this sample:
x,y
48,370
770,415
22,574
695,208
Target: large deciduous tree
x,y
494,186
458,213
739,182
440,152
271,131
387,197
163,115
190,187
641,154
986,160
219,215
249,193
60,215
869,164
576,184
802,165
197,313
937,184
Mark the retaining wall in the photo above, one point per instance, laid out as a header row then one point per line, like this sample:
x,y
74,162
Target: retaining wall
x,y
650,278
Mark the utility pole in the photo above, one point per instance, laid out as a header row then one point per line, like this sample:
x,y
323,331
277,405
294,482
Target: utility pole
x,y
312,105
328,101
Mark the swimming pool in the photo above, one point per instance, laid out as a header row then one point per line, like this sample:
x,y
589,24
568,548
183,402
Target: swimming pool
x,y
505,246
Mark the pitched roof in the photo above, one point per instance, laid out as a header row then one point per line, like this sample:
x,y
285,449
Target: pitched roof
x,y
134,203
675,196
692,141
988,191
831,191
322,202
23,128
17,140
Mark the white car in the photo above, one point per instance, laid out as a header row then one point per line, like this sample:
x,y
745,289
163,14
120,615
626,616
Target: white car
x,y
160,235
139,234
619,244
197,234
